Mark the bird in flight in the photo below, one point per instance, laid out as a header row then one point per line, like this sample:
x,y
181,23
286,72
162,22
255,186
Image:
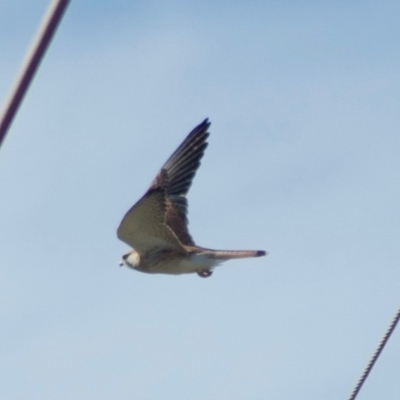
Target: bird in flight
x,y
157,225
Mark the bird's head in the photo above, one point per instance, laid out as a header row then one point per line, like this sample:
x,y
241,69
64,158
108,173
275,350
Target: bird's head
x,y
130,260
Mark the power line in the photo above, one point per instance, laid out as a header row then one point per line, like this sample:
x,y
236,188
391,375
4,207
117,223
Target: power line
x,y
32,60
375,356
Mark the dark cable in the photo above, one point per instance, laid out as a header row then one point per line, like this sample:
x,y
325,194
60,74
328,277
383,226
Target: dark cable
x,y
33,58
375,356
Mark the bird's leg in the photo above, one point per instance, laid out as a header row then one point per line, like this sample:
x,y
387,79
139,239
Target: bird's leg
x,y
204,273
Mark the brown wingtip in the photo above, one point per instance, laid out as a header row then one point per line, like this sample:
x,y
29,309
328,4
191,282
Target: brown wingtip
x,y
261,253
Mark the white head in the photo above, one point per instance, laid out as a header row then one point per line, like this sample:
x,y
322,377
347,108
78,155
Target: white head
x,y
131,260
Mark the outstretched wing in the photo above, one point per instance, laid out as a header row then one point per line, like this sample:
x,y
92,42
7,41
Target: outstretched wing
x,y
159,218
176,178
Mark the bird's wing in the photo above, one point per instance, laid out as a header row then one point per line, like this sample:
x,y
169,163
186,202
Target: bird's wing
x,y
176,177
159,218
143,227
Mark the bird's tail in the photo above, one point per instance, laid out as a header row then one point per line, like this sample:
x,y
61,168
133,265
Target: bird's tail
x,y
231,254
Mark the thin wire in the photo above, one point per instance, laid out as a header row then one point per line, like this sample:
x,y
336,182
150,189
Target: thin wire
x,y
375,356
32,60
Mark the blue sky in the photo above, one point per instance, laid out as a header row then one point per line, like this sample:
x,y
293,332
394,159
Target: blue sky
x,y
303,162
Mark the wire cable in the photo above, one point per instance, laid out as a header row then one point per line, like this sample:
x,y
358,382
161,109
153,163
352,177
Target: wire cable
x,y
32,60
375,356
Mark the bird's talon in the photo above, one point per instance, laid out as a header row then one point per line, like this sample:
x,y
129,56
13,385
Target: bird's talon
x,y
205,273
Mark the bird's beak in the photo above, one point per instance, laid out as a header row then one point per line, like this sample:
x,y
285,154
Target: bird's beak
x,y
121,264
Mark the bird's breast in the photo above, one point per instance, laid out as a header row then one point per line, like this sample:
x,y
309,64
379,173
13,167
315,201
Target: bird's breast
x,y
175,264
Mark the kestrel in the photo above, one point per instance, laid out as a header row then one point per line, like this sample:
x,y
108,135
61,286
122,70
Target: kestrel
x,y
157,225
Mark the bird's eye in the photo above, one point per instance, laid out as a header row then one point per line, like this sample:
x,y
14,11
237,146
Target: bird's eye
x,y
125,256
